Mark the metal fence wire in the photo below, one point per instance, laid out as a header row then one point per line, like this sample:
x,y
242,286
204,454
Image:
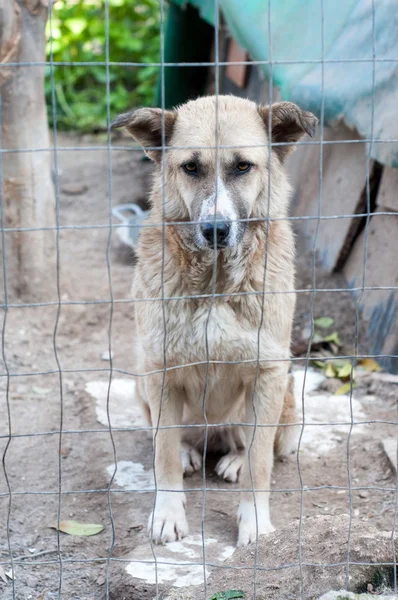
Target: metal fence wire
x,y
11,561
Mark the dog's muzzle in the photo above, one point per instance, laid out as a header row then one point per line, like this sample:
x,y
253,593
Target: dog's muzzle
x,y
215,231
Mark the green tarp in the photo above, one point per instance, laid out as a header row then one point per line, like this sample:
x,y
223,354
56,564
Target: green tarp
x,y
290,33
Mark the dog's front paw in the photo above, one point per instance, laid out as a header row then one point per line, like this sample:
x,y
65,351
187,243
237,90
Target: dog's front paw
x,y
247,522
168,522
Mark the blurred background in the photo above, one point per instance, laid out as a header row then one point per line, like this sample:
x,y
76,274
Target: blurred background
x,y
78,33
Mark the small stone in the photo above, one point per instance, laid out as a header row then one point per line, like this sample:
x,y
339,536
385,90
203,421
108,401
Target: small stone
x,y
390,448
106,356
363,494
386,534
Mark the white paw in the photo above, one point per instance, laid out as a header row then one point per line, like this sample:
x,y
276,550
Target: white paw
x,y
248,530
168,523
229,467
190,458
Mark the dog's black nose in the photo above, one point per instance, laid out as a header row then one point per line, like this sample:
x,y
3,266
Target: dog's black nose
x,y
221,229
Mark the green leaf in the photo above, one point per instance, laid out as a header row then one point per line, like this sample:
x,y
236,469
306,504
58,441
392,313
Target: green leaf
x,y
132,44
324,322
76,25
228,595
79,35
320,364
317,339
340,362
76,528
333,337
146,73
344,371
54,46
41,391
345,389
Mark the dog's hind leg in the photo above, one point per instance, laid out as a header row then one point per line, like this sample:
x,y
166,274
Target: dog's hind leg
x,y
286,439
230,466
191,459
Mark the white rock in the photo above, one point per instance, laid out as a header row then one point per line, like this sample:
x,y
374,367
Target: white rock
x,y
107,356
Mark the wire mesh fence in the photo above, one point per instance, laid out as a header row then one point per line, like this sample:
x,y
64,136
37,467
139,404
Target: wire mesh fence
x,y
53,435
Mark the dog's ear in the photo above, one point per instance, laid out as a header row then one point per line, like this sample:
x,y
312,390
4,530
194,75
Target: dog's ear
x,y
146,126
288,124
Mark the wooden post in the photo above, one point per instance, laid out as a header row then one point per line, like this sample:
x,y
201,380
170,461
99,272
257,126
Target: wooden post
x,y
28,189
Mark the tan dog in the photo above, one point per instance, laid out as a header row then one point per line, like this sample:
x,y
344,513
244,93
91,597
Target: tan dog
x,y
217,344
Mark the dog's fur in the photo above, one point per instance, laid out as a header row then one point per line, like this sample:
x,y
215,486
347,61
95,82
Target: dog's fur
x,y
226,355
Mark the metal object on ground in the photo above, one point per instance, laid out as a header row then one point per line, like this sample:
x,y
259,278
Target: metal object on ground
x,y
132,216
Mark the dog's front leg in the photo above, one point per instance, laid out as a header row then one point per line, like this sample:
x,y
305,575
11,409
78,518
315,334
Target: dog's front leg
x,y
264,408
167,522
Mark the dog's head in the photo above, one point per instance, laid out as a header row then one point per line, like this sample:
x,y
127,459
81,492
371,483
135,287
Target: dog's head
x,y
214,160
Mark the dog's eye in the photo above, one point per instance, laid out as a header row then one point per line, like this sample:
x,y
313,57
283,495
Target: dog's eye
x,y
243,166
190,167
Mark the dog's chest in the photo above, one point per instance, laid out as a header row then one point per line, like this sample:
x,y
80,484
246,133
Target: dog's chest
x,y
214,330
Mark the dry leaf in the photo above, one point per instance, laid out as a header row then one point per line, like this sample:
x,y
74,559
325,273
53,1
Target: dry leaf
x,y
76,528
345,389
370,364
330,371
324,322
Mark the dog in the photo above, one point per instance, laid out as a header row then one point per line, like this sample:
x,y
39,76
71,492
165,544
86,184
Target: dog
x,y
214,285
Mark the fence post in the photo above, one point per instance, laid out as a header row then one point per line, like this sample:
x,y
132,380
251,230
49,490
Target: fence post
x,y
27,179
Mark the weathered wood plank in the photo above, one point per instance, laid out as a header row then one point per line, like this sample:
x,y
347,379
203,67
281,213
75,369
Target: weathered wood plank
x,y
343,181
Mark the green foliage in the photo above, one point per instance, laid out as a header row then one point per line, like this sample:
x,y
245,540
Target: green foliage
x,y
228,595
77,33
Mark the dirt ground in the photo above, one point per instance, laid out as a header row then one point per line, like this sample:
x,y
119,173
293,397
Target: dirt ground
x,y
323,563
45,387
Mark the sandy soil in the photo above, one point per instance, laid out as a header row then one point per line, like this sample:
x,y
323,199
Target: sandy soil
x,y
45,387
